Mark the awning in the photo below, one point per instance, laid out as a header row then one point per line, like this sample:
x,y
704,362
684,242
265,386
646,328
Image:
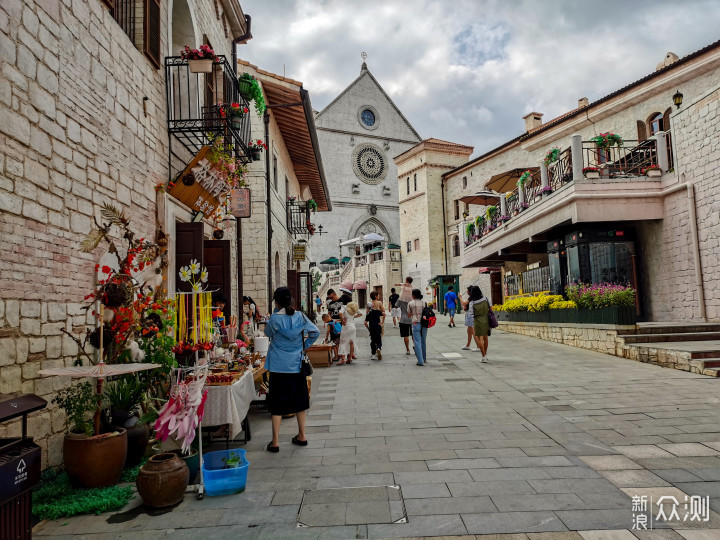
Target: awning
x,y
483,198
488,269
393,246
331,260
345,259
506,181
289,104
360,284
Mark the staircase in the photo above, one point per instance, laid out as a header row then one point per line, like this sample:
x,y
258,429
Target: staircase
x,y
693,347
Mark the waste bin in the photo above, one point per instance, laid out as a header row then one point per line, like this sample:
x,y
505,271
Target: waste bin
x,y
19,469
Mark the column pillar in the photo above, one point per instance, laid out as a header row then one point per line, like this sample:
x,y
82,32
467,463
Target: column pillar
x,y
577,157
544,179
503,205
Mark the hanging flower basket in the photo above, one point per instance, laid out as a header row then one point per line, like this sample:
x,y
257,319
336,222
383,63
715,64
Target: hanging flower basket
x,y
256,148
606,140
199,60
255,154
591,172
218,234
552,156
200,66
245,87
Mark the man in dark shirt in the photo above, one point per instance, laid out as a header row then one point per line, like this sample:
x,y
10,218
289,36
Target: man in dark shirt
x,y
335,305
394,309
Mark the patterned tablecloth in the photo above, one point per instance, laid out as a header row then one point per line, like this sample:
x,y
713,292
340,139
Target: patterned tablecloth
x,y
229,404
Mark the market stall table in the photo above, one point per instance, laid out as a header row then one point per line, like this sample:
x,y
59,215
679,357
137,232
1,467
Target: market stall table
x,y
229,404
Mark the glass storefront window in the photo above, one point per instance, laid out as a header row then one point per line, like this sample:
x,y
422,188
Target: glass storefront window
x,y
611,262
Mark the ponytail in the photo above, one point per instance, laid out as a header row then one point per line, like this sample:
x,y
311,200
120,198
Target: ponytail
x,y
283,297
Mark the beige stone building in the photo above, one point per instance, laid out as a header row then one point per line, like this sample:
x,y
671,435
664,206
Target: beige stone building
x,y
421,193
562,225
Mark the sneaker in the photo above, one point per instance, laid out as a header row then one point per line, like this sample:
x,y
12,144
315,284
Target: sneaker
x,y
373,357
449,325
466,349
379,354
475,350
419,364
407,353
484,360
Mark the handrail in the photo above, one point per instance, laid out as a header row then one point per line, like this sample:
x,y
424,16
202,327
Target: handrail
x,y
626,160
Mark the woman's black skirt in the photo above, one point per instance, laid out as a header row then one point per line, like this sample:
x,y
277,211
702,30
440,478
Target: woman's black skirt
x,y
287,394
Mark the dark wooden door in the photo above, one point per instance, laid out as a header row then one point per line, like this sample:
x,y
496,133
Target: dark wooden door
x,y
495,288
293,283
188,246
217,262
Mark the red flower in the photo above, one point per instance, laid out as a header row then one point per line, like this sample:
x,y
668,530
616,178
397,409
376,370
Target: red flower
x,y
106,269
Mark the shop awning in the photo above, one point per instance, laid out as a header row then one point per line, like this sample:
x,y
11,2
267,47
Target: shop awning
x,y
360,284
488,269
345,260
483,198
331,260
506,181
289,104
393,246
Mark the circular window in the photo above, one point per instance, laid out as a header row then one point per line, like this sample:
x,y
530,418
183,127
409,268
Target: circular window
x,y
368,117
369,163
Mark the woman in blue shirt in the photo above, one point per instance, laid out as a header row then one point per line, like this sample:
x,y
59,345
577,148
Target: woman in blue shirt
x,y
288,391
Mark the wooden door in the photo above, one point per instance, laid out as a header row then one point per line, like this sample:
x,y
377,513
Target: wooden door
x,y
293,283
188,246
495,288
217,262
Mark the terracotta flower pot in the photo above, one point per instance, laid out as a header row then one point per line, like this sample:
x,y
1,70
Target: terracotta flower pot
x,y
162,481
92,462
201,66
137,437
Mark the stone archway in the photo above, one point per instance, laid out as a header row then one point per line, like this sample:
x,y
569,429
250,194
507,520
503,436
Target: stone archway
x,y
372,225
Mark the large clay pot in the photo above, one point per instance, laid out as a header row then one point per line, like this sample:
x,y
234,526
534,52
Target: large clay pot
x,y
162,481
137,441
92,462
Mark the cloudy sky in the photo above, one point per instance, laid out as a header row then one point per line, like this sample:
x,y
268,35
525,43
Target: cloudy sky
x,y
468,70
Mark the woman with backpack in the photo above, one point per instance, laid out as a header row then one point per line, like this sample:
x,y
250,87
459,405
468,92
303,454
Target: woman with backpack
x,y
415,313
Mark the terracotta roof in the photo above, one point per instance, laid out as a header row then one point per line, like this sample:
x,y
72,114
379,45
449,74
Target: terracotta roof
x,y
269,74
574,112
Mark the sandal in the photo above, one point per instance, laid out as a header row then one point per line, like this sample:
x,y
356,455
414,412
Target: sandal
x,y
341,362
297,441
273,449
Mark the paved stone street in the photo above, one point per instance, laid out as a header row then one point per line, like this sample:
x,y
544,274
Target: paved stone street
x,y
545,438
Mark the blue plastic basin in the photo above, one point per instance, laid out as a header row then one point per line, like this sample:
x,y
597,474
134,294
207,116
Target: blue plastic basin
x,y
222,481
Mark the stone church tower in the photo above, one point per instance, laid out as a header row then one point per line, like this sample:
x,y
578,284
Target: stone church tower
x,y
360,132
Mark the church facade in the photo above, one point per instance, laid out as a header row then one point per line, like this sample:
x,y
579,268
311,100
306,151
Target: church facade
x,y
359,134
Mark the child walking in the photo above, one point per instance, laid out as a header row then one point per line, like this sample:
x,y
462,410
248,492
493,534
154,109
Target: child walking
x,y
375,322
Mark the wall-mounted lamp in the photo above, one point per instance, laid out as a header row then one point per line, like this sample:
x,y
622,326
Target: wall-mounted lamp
x,y
677,99
145,100
466,214
197,216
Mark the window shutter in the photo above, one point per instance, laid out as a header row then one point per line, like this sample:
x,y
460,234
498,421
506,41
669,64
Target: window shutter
x,y
151,32
641,130
666,119
188,246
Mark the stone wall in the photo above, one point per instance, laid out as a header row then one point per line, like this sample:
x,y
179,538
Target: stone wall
x,y
75,132
595,337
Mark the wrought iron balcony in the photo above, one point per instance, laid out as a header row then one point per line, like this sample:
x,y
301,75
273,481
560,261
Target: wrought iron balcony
x,y
298,218
194,103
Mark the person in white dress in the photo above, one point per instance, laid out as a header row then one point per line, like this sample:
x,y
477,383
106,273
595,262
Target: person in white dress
x,y
348,334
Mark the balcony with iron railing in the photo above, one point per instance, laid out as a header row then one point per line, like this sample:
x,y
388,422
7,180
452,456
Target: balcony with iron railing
x,y
195,113
298,219
619,172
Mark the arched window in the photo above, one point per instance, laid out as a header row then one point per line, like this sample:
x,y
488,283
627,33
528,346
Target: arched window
x,y
456,246
415,182
408,185
655,123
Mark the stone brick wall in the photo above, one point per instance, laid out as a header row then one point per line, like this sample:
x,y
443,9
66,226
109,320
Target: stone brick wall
x,y
596,337
75,132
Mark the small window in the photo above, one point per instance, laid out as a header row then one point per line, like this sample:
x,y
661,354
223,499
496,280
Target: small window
x,y
368,117
456,246
656,123
275,180
464,182
457,208
409,247
408,185
416,244
415,182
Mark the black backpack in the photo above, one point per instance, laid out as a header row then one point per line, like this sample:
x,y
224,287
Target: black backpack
x,y
427,320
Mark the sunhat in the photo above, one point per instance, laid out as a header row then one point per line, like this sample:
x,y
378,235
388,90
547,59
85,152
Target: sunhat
x,y
352,309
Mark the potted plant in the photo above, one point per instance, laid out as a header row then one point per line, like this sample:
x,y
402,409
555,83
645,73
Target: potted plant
x,y
470,230
312,205
653,171
91,460
606,140
592,173
250,89
511,196
235,112
256,148
552,156
124,397
199,60
547,190
310,227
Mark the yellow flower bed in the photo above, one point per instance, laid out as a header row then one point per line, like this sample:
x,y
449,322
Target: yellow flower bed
x,y
535,304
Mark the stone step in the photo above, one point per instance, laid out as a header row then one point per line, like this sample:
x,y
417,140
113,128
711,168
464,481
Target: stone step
x,y
671,337
711,372
710,362
678,328
702,355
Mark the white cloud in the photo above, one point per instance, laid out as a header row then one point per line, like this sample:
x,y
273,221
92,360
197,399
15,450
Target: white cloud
x,y
468,70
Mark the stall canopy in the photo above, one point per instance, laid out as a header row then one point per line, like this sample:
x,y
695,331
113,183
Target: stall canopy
x,y
345,260
360,284
367,239
393,246
331,260
506,181
484,198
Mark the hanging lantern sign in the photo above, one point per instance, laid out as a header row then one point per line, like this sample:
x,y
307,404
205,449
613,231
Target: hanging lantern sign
x,y
201,185
240,202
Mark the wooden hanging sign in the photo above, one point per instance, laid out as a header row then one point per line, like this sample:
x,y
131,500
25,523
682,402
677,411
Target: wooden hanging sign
x,y
207,187
240,202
